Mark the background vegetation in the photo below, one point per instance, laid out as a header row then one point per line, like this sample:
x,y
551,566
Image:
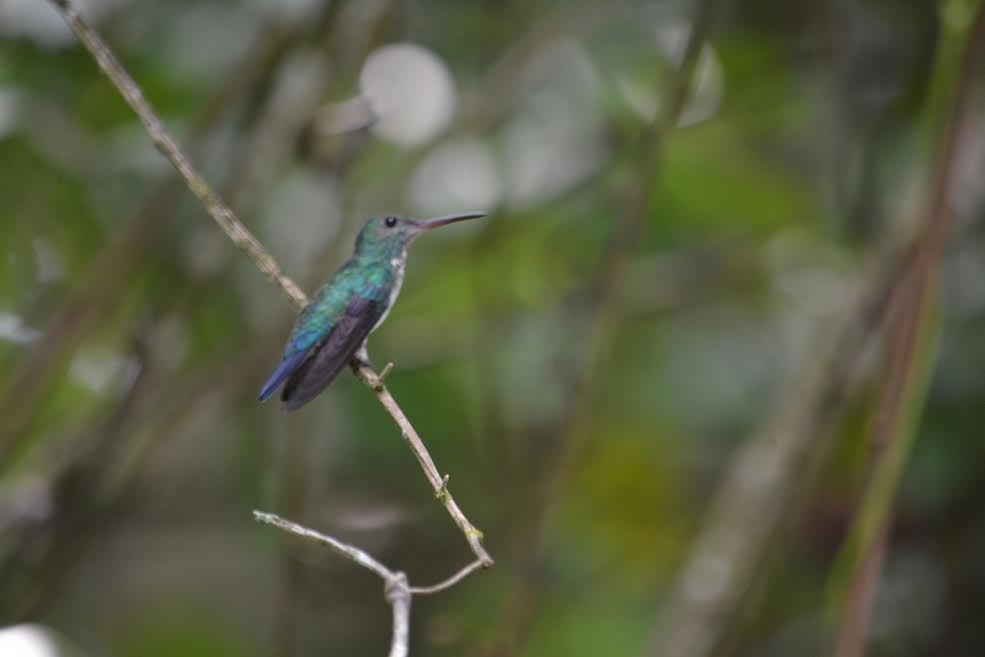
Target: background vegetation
x,y
696,377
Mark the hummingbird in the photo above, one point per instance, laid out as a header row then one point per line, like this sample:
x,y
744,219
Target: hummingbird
x,y
332,329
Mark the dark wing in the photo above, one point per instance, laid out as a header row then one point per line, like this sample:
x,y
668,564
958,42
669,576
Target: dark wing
x,y
332,354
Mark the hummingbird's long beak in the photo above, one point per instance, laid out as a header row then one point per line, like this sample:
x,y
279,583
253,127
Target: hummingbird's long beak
x,y
431,224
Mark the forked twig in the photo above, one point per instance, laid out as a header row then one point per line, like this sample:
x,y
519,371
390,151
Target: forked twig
x,y
396,588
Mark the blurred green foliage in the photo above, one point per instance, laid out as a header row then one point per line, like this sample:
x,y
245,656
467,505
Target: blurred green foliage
x,y
127,486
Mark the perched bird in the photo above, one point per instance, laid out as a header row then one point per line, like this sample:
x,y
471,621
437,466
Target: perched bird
x,y
333,328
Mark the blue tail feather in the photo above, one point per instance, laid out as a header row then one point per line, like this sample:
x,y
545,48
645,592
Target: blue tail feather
x,y
284,370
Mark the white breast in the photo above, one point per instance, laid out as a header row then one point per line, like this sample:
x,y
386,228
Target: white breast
x,y
399,267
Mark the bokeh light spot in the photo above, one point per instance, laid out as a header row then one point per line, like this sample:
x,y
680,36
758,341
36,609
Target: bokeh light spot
x,y
410,90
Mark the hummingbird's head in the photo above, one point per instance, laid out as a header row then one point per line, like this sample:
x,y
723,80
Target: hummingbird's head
x,y
389,236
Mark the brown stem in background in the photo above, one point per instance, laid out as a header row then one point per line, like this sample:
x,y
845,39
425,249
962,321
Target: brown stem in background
x,y
244,239
917,291
754,492
858,611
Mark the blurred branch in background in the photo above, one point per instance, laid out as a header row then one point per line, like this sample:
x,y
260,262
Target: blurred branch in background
x,y
294,93
397,590
85,486
594,336
910,359
53,512
759,485
97,480
755,491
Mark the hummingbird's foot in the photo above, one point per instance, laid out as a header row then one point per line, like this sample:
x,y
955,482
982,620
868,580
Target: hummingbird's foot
x,y
361,359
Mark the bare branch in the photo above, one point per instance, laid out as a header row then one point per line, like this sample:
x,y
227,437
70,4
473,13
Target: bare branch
x,y
397,593
397,590
346,550
448,583
165,143
472,535
244,239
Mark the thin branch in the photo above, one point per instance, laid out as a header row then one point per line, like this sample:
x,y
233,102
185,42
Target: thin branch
x,y
166,144
448,583
472,535
397,593
395,586
344,549
244,239
397,590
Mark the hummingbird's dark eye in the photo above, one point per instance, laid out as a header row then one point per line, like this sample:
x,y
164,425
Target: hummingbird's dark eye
x,y
390,222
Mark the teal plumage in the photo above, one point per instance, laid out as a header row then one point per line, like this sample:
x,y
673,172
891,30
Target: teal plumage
x,y
334,326
354,278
